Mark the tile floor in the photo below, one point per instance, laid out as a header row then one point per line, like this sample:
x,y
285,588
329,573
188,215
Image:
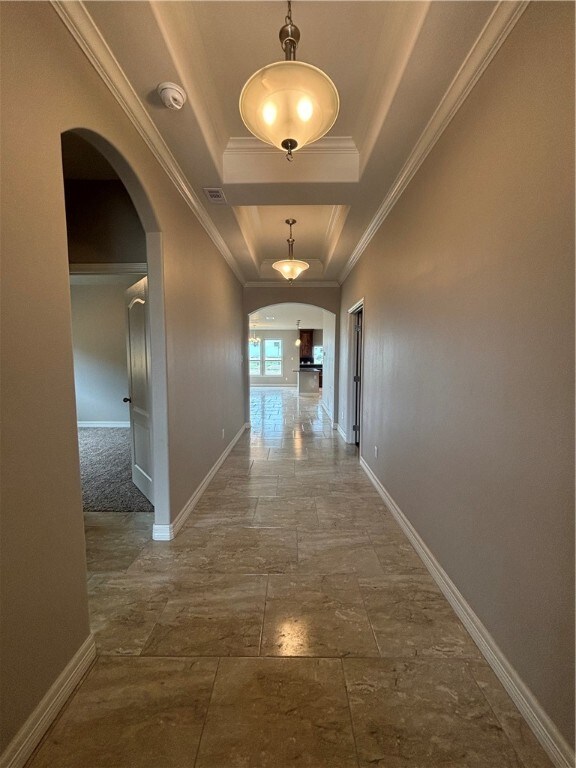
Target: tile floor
x,y
290,623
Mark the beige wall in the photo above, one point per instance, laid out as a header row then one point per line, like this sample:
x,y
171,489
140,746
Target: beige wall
x,y
327,298
43,579
469,353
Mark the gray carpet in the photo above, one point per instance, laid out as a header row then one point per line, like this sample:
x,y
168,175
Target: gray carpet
x,y
105,465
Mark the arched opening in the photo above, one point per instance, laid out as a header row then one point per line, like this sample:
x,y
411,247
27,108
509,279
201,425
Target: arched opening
x,y
292,346
114,250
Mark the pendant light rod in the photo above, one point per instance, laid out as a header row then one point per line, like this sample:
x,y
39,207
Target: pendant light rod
x,y
289,36
290,268
290,239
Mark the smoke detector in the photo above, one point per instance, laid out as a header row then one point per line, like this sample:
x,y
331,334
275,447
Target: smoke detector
x,y
172,95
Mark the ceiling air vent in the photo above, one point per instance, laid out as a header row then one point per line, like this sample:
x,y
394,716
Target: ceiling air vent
x,y
215,195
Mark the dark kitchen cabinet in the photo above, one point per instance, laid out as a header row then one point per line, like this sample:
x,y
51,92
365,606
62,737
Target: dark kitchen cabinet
x,y
306,340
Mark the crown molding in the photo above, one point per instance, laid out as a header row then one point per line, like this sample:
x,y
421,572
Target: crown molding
x,y
334,229
80,24
309,284
494,33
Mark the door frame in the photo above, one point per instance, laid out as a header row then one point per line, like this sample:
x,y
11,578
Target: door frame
x,y
158,384
350,395
155,328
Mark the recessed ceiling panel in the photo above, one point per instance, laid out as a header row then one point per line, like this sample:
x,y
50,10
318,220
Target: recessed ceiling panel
x,y
265,230
402,68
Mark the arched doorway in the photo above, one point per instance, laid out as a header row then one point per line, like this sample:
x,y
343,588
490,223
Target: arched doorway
x,y
113,237
293,344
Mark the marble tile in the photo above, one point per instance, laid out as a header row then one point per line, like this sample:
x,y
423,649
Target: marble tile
x,y
140,712
411,617
242,487
234,515
215,502
129,587
240,465
305,470
423,714
345,515
272,468
109,549
289,487
285,513
396,554
316,616
217,484
122,624
359,485
250,451
107,520
278,713
233,550
142,521
328,552
353,492
218,615
297,453
521,737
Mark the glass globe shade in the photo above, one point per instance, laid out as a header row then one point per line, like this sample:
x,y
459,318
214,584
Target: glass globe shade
x,y
289,100
290,268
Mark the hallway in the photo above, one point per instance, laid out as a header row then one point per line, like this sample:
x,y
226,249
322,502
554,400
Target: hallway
x,y
290,623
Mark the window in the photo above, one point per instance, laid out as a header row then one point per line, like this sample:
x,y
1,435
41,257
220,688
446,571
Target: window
x,y
254,358
265,358
272,357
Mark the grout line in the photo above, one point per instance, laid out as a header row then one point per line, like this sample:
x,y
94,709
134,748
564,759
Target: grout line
x,y
207,709
468,663
149,635
350,712
297,532
263,615
368,617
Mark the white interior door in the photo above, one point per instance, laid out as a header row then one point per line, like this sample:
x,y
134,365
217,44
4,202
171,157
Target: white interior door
x,y
139,381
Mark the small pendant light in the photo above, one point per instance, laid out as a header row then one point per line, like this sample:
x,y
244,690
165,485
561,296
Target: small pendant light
x,y
290,268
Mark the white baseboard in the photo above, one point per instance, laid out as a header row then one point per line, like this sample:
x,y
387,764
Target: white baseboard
x,y
342,433
122,424
558,749
28,737
168,532
327,412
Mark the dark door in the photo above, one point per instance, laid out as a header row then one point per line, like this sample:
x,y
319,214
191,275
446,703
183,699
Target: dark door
x,y
357,376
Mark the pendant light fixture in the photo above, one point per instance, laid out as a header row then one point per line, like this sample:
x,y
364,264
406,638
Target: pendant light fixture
x,y
290,268
253,339
298,341
289,103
